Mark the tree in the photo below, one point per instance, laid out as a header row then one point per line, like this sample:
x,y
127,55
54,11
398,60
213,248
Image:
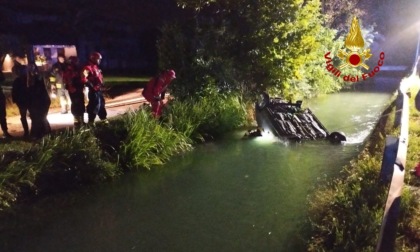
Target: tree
x,y
250,46
338,13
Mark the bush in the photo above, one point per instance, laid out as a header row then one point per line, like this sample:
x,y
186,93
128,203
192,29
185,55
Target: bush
x,y
209,116
56,163
112,136
69,160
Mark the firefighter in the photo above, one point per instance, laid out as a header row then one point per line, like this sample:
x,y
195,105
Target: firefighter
x,y
416,171
20,94
93,79
3,122
74,86
39,103
57,71
154,92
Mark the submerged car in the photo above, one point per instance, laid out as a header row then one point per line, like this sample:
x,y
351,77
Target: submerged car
x,y
289,120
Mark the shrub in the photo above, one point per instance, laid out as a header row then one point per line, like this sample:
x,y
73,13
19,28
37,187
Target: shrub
x,y
56,163
112,136
68,160
209,116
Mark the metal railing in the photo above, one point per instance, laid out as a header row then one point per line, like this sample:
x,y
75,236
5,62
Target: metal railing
x,y
397,149
389,225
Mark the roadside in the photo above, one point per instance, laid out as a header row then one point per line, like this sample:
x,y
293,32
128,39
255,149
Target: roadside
x,y
360,190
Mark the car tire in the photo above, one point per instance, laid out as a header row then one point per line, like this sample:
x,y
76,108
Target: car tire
x,y
337,137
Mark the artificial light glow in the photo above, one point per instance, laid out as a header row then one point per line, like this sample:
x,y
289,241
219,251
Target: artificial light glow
x,y
59,119
7,64
267,137
409,82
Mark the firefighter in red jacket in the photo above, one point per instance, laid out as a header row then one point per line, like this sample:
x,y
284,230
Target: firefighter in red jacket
x,y
416,171
93,79
154,92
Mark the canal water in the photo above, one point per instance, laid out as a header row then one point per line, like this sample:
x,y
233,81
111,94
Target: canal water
x,y
228,195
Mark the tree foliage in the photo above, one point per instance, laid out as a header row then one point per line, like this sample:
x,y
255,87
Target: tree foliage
x,y
338,13
248,46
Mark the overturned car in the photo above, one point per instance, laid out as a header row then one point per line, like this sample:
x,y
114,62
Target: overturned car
x,y
289,120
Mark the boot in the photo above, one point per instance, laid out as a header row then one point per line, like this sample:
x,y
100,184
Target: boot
x,y
7,135
104,121
91,119
25,127
78,121
4,128
91,122
82,120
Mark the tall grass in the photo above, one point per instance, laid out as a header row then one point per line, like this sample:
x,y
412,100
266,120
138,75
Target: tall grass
x,y
70,160
150,143
207,117
346,214
56,163
134,140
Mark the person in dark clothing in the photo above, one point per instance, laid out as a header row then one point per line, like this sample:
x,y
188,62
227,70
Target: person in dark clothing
x,y
74,85
39,104
92,77
20,95
3,121
63,94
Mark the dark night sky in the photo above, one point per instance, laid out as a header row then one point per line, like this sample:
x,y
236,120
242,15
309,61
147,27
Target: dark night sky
x,y
137,13
122,29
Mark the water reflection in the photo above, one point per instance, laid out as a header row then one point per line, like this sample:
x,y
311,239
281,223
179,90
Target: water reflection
x,y
230,195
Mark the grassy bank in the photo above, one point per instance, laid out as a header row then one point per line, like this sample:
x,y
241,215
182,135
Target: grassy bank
x,y
346,214
65,161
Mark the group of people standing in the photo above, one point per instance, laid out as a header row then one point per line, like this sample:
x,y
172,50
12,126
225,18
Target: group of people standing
x,y
71,80
29,93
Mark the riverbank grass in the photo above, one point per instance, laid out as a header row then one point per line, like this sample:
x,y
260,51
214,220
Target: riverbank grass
x,y
346,214
56,163
66,160
207,117
150,143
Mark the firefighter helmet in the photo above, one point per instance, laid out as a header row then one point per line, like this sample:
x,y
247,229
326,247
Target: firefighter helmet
x,y
73,60
170,74
95,57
